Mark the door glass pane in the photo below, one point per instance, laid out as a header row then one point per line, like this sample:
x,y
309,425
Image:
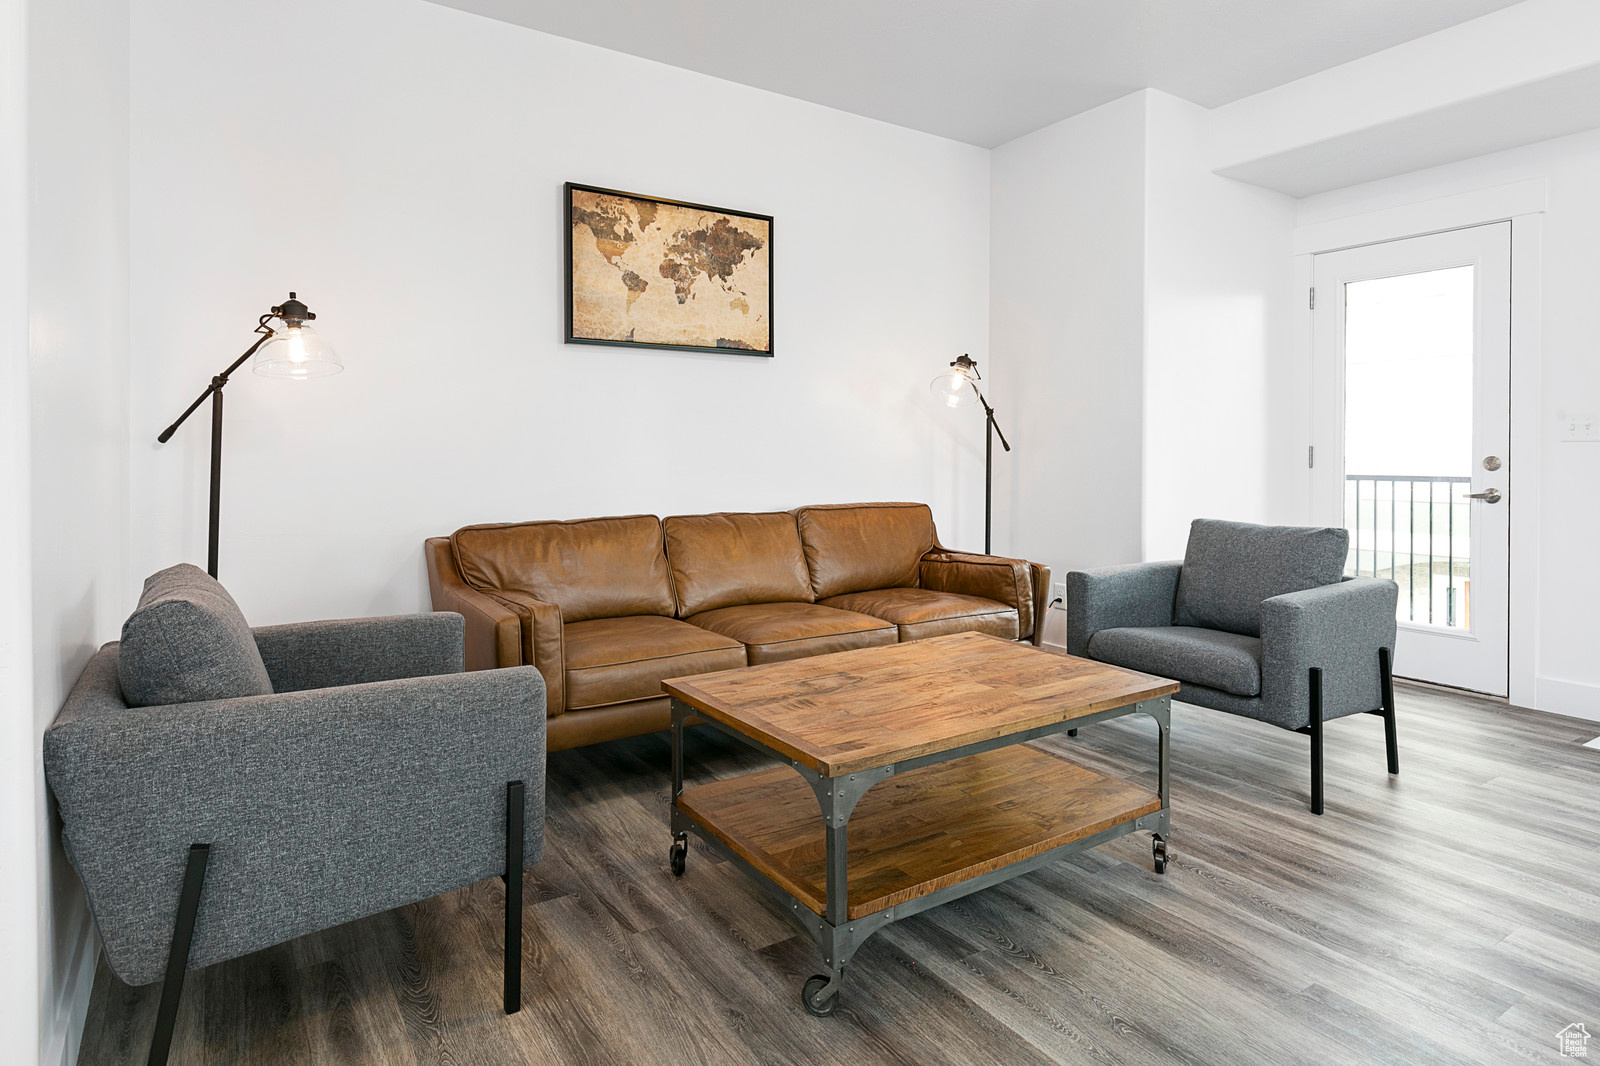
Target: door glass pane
x,y
1408,439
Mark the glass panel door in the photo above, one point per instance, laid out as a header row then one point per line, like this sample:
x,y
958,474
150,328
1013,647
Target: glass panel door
x,y
1411,426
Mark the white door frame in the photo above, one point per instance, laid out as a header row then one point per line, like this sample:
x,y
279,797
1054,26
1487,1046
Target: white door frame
x,y
1523,205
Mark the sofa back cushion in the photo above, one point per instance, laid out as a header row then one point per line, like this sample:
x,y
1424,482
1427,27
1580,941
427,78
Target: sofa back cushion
x,y
590,568
728,560
854,547
1230,567
186,641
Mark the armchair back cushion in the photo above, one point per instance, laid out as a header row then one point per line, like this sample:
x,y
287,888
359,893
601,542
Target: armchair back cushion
x,y
591,568
857,547
187,641
1231,567
730,560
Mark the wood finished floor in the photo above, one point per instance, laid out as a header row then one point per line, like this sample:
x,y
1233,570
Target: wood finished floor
x,y
1450,915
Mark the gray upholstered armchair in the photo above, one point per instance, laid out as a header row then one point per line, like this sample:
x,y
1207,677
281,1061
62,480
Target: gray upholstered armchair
x,y
223,789
1257,621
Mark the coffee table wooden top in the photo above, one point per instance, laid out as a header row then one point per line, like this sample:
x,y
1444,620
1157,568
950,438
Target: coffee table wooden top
x,y
855,710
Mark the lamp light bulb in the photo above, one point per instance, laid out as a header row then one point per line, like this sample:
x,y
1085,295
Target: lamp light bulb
x,y
297,353
954,388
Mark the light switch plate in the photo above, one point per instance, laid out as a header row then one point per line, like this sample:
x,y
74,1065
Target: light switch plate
x,y
1580,427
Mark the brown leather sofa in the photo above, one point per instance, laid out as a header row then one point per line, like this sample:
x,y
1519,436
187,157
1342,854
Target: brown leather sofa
x,y
607,608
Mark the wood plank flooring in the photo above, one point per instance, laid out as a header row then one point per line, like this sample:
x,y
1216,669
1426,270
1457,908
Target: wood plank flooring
x,y
1450,915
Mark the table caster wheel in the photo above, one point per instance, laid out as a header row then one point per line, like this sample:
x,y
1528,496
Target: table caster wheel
x,y
678,856
808,994
1158,848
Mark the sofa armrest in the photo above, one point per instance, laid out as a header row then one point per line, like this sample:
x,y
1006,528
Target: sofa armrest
x,y
1114,597
543,645
1041,599
354,651
1337,628
1008,581
494,633
320,806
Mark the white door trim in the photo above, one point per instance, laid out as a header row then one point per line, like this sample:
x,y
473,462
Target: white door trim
x,y
1522,204
1527,236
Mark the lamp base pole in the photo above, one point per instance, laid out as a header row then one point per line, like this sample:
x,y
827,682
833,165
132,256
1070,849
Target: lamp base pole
x,y
988,481
216,474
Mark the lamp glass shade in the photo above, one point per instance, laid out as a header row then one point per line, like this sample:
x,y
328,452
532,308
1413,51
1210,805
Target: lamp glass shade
x,y
953,389
296,353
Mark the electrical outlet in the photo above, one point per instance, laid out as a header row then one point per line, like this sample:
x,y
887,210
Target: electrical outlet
x,y
1580,427
1058,591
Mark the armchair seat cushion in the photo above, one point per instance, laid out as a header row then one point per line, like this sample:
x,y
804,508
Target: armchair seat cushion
x,y
1227,662
923,613
618,660
772,632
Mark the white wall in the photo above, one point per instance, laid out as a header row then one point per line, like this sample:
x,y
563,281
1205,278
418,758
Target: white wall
x,y
20,996
1217,317
78,388
1139,306
400,166
1067,333
1568,581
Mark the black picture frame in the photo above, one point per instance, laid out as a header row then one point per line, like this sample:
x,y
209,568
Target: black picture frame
x,y
570,187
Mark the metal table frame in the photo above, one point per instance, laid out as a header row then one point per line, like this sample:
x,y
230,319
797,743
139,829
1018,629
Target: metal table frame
x,y
838,936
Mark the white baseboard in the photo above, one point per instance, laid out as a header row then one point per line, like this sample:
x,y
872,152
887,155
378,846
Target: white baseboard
x,y
1575,699
67,1040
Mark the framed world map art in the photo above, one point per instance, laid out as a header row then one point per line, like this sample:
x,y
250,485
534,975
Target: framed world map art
x,y
650,273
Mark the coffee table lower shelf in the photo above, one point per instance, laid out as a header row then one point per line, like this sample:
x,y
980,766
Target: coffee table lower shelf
x,y
915,840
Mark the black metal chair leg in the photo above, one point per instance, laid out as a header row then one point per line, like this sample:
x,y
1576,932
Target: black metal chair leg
x,y
513,879
1391,737
1316,740
194,877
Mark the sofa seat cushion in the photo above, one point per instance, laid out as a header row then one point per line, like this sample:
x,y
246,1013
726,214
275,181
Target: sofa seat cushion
x,y
926,613
772,632
1229,568
615,660
1228,662
187,641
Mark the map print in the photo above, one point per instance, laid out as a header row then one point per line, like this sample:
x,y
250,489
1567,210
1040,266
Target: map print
x,y
649,272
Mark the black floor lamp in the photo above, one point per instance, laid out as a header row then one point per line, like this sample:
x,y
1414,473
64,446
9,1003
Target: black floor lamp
x,y
957,388
297,353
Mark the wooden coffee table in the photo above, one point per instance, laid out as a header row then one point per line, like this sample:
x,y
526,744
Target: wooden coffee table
x,y
962,802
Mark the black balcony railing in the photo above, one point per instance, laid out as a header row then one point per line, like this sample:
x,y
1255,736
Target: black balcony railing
x,y
1414,529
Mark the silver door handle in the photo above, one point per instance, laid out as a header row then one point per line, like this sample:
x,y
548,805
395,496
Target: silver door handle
x,y
1487,495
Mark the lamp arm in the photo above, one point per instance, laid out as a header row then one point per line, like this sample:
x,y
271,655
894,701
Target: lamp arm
x,y
221,379
989,414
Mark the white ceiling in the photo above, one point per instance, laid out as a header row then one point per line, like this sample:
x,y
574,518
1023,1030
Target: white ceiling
x,y
985,71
